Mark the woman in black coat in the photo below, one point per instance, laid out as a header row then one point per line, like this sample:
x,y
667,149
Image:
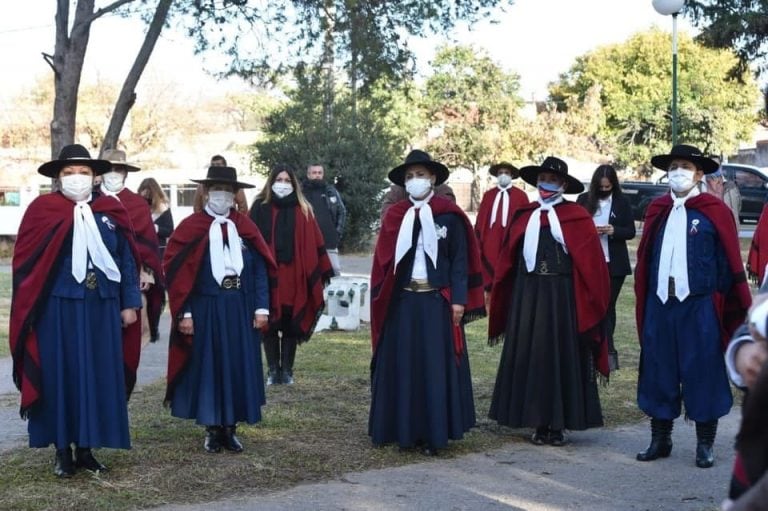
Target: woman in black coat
x,y
613,219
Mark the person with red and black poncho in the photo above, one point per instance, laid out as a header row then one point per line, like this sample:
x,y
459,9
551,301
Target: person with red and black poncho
x,y
219,273
692,294
151,279
73,332
426,282
288,225
549,298
494,217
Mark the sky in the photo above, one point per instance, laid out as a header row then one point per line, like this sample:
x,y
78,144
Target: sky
x,y
537,39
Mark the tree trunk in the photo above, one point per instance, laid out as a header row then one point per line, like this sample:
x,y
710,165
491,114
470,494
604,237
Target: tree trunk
x,y
128,93
474,189
328,62
67,64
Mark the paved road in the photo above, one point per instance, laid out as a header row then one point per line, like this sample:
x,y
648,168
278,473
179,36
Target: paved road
x,y
597,471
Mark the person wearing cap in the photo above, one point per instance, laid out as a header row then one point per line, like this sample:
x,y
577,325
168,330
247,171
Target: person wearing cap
x,y
692,294
726,191
615,224
550,294
426,283
75,301
218,270
151,278
288,225
494,217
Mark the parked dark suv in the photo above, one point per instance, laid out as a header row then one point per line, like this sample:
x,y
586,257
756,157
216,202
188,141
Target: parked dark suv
x,y
752,183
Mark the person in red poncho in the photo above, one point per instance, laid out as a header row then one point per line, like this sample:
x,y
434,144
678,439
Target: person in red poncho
x,y
757,260
150,272
288,225
494,217
426,282
75,299
549,298
692,294
219,272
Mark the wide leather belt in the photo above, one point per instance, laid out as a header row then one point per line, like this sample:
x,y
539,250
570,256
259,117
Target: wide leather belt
x,y
230,283
90,280
419,286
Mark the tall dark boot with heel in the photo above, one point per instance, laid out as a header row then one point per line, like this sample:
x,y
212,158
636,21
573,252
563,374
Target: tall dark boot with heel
x,y
705,440
229,440
272,352
661,440
84,459
213,435
288,356
64,466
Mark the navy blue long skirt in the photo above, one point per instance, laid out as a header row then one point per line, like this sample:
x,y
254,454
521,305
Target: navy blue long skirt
x,y
546,374
419,393
81,354
223,383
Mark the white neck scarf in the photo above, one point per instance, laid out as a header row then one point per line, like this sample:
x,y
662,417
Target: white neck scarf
x,y
503,197
428,232
106,192
531,241
86,241
673,261
218,252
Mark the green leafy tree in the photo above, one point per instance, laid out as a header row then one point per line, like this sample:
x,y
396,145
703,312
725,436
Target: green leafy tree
x,y
368,33
739,25
715,112
357,156
473,103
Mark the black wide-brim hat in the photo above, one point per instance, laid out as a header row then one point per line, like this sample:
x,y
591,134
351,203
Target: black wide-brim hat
x,y
223,175
74,154
417,157
685,152
557,166
494,169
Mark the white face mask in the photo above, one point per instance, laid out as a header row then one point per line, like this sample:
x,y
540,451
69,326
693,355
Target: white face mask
x,y
680,180
504,180
418,187
282,189
76,187
220,201
113,181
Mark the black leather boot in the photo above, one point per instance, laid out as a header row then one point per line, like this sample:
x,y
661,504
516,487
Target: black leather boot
x,y
272,352
287,358
229,440
705,439
64,466
213,436
84,459
661,440
540,436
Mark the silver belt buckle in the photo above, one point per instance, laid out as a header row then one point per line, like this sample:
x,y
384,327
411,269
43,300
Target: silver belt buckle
x,y
90,280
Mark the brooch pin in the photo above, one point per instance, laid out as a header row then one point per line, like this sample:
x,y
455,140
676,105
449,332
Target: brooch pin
x,y
109,224
442,232
694,224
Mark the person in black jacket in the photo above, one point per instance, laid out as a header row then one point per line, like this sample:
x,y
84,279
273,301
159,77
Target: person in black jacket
x,y
613,219
329,210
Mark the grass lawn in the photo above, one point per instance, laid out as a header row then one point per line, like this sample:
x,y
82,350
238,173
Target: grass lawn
x,y
312,431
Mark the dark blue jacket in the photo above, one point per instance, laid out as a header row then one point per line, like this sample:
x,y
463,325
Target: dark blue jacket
x,y
452,264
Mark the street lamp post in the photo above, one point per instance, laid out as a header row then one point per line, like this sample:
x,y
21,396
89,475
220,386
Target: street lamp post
x,y
665,8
